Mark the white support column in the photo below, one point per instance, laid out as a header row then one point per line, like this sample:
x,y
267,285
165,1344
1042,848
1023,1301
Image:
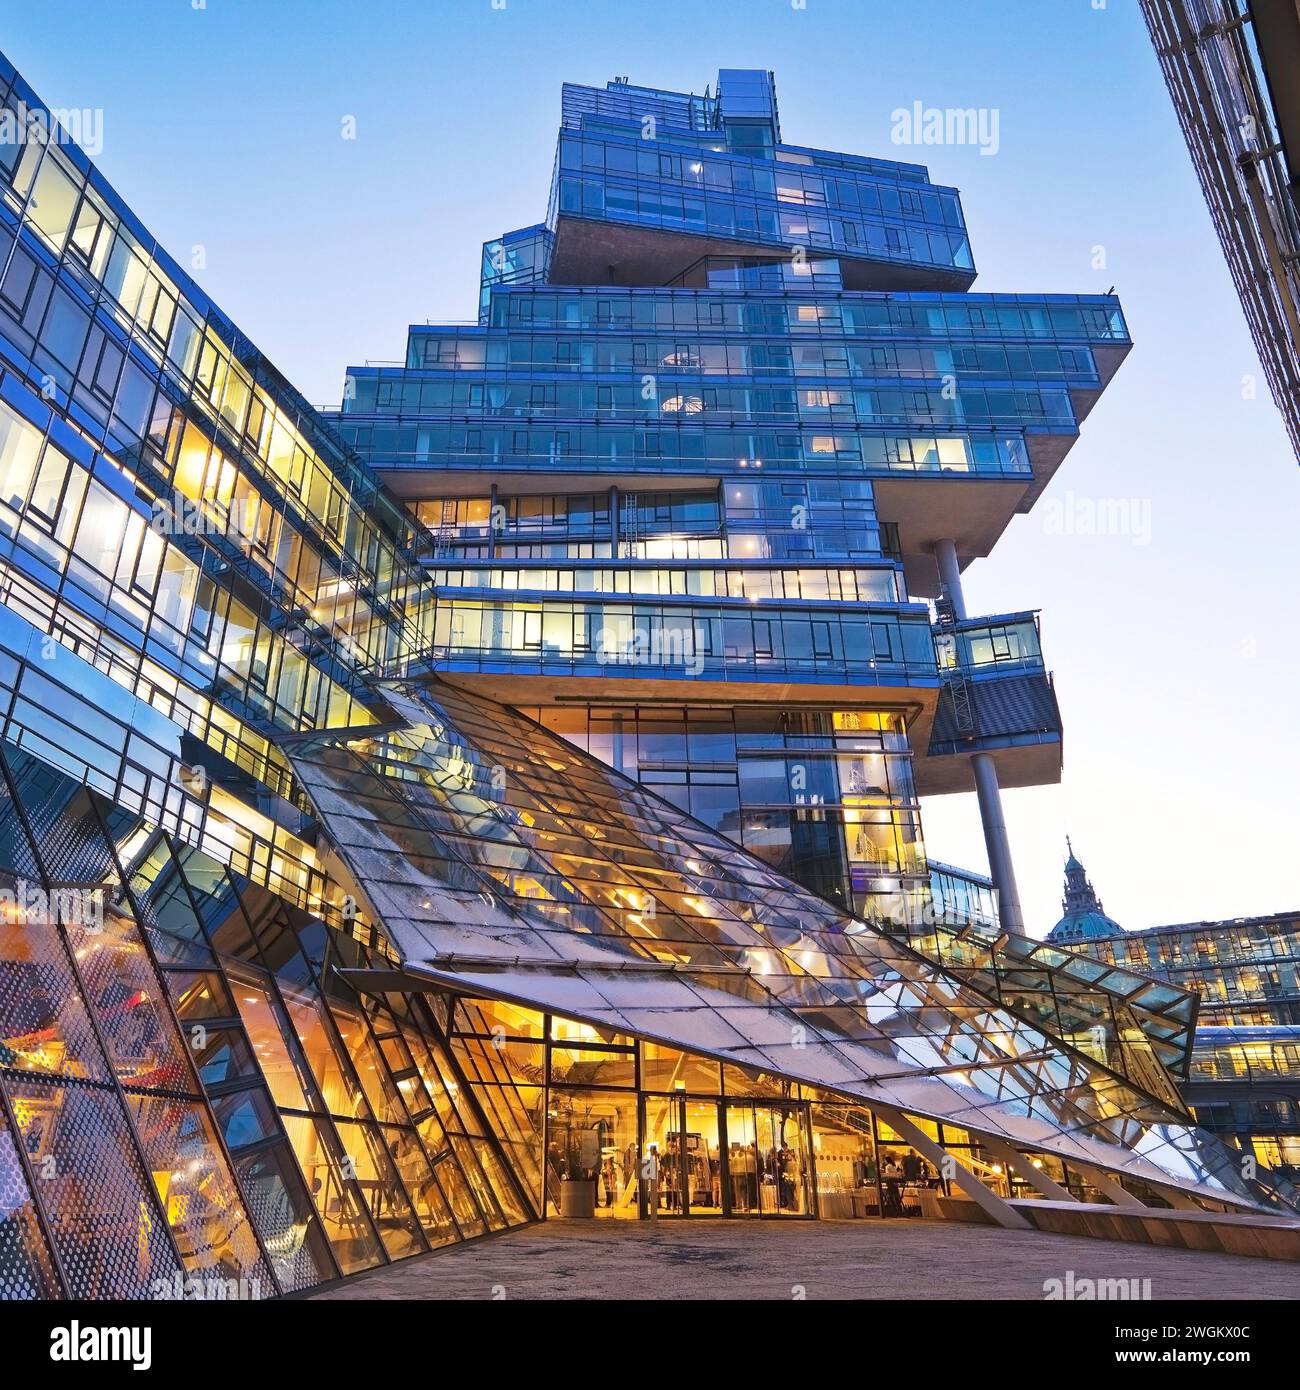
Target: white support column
x,y
945,552
996,841
983,1197
985,771
1024,1165
1107,1186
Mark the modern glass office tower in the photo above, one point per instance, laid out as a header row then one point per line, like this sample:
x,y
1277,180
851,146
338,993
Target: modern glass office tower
x,y
315,951
729,419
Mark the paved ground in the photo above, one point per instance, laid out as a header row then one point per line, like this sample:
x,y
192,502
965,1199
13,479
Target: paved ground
x,y
824,1259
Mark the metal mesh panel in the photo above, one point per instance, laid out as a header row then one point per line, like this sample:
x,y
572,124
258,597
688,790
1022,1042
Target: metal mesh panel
x,y
144,1048
282,1214
26,1270
96,1199
15,848
67,835
43,1022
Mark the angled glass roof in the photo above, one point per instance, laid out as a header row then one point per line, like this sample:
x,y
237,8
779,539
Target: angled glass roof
x,y
506,862
1134,1025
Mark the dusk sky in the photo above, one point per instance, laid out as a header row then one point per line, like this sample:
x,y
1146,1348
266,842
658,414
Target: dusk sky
x,y
1173,642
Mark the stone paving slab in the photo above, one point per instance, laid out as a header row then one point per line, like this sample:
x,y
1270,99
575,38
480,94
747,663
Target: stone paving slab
x,y
824,1259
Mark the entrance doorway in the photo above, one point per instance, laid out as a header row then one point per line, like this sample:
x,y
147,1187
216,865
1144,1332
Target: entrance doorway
x,y
767,1159
685,1134
730,1158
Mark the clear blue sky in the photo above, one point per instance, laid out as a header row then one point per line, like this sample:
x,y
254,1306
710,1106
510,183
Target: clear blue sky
x,y
1176,661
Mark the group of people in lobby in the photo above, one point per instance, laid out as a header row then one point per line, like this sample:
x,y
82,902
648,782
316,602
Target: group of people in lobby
x,y
759,1179
677,1176
897,1179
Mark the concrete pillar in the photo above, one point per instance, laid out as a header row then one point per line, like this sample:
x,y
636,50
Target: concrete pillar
x,y
618,750
986,773
950,576
996,842
1023,1164
1002,1212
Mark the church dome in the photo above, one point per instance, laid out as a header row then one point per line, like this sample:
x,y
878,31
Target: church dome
x,y
1082,916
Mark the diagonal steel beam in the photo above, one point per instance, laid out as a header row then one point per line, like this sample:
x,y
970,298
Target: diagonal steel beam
x,y
1022,1164
1002,1212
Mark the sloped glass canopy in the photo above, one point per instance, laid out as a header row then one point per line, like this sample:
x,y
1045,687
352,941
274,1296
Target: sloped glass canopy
x,y
504,862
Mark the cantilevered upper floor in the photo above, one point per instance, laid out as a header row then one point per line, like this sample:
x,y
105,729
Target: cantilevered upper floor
x,y
647,182
735,392
705,302
958,407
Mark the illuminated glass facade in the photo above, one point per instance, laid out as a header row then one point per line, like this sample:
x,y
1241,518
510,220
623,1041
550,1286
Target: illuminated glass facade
x,y
501,860
731,416
318,952
1243,1081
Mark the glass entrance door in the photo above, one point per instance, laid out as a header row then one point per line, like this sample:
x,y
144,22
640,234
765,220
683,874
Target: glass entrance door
x,y
702,1158
729,1158
742,1159
663,1126
687,1137
769,1171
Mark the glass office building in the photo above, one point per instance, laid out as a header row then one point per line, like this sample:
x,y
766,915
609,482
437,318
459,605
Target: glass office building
x,y
1241,1078
1244,1078
1233,72
372,880
729,420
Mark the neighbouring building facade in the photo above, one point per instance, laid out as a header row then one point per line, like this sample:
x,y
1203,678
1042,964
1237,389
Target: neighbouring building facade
x,y
500,799
1233,71
1242,1076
